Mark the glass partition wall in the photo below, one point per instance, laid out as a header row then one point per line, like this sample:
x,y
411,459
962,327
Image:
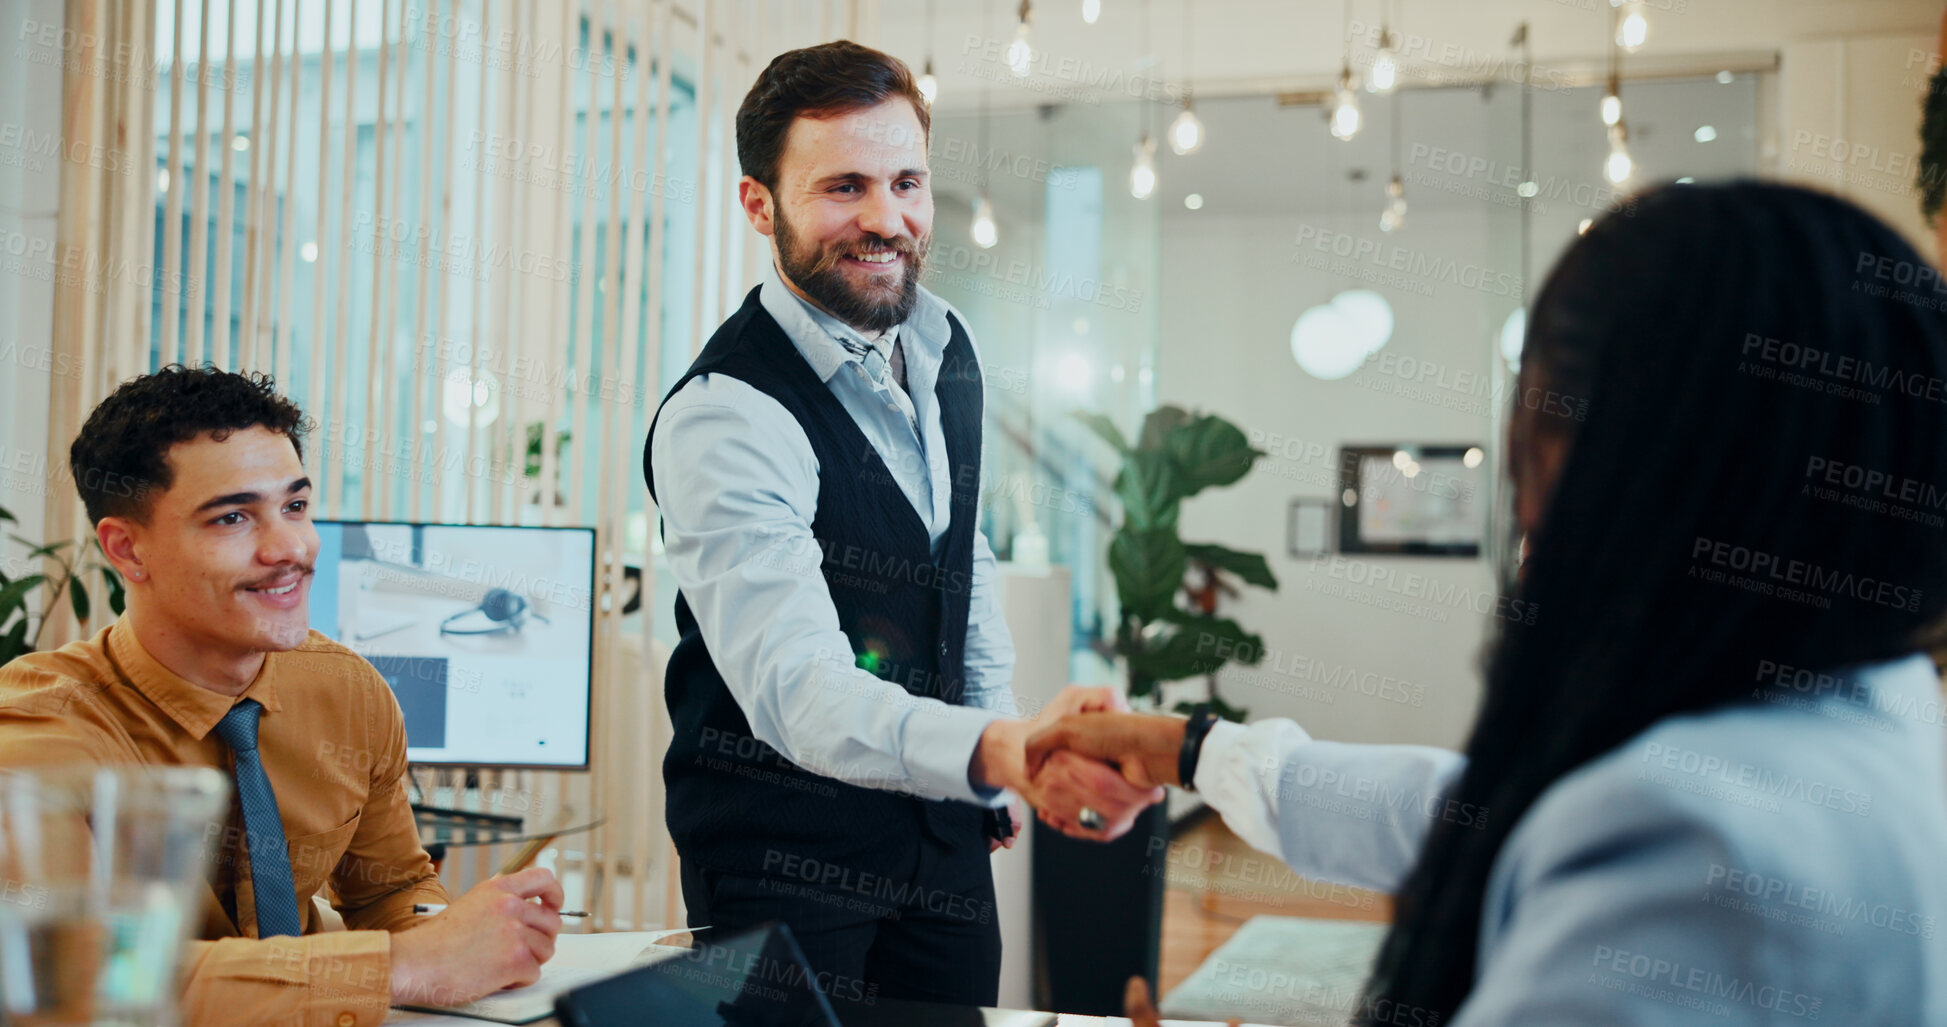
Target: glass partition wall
x,y
1092,299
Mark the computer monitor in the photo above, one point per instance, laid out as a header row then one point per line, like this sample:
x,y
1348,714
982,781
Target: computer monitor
x,y
484,632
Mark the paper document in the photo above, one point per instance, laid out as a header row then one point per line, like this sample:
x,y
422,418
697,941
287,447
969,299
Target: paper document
x,y
578,959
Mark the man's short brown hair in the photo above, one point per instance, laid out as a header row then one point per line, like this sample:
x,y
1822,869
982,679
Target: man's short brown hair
x,y
820,81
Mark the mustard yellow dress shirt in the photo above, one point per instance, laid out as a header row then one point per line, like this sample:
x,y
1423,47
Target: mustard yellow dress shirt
x,y
334,745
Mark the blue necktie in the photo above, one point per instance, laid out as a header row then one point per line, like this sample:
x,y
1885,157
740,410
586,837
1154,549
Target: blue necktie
x,y
263,826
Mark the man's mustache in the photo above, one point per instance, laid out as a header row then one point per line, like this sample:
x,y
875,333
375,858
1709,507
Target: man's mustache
x,y
908,249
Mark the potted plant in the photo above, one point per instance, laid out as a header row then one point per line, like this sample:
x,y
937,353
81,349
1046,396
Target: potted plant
x,y
1168,589
15,640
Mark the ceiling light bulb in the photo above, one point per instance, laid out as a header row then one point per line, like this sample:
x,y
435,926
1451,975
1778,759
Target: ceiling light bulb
x,y
929,86
1611,109
1633,30
1385,69
1020,56
1344,111
985,232
1394,217
1186,132
1619,166
1091,10
1142,174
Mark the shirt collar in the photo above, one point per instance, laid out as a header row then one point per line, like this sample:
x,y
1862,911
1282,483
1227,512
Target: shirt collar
x,y
195,708
816,333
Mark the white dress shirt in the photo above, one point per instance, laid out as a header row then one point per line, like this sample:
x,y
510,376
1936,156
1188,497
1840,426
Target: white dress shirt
x,y
1768,863
737,484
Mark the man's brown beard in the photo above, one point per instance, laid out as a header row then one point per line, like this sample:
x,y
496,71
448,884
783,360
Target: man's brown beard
x,y
823,280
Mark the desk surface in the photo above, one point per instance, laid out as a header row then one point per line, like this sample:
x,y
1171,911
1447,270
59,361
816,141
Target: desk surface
x,y
978,1018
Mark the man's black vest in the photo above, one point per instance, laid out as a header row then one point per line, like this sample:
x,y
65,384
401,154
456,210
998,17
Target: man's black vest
x,y
734,803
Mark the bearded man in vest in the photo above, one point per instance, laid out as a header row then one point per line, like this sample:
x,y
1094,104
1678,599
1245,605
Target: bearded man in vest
x,y
846,746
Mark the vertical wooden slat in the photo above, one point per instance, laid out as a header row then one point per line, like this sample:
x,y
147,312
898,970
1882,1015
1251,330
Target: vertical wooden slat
x,y
284,311
265,211
375,348
226,187
342,319
199,219
144,189
704,187
614,339
387,376
172,207
672,896
588,220
477,290
316,403
421,311
648,383
444,321
262,167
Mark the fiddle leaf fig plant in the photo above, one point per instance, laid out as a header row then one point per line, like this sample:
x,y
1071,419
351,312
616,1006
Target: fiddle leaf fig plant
x,y
1169,590
75,569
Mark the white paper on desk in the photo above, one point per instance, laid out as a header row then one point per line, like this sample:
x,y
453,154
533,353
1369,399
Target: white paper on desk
x,y
578,959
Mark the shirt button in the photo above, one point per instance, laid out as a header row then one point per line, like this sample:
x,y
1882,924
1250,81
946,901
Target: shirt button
x,y
942,648
347,1020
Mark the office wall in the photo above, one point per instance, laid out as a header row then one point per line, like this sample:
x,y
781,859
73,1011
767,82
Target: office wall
x,y
1230,289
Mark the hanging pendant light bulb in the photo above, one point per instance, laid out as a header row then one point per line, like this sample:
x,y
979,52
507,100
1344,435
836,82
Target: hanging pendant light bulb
x,y
1393,218
1142,174
1091,11
1020,55
1611,107
985,232
929,86
1634,27
1385,67
1619,167
1186,132
1344,111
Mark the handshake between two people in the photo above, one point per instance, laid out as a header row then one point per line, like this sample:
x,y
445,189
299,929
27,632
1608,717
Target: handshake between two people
x,y
1087,765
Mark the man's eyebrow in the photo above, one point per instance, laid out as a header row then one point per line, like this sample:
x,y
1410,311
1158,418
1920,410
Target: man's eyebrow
x,y
247,498
858,177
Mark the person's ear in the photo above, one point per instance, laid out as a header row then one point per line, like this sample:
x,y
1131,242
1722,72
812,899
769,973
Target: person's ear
x,y
117,538
760,206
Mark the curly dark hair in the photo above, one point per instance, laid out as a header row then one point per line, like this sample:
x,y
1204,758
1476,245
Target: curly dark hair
x,y
120,459
820,81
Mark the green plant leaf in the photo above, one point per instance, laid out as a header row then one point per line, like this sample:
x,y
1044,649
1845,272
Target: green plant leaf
x,y
7,517
78,598
1216,640
1218,706
1148,490
1158,425
16,592
1252,567
47,550
1208,451
14,642
1148,567
1102,426
117,595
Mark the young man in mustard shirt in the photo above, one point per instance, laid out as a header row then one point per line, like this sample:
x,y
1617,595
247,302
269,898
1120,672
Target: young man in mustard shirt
x,y
195,482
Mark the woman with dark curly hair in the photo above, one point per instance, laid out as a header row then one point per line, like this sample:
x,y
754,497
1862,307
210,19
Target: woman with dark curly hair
x,y
1706,784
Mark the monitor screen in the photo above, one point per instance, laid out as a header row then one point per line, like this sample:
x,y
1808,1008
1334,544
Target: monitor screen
x,y
1424,500
484,632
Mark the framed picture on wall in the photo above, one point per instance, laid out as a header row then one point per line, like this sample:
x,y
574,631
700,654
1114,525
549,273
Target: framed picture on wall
x,y
1413,499
1308,528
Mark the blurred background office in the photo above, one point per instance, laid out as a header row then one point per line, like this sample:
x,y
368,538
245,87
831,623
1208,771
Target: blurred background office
x,y
1248,278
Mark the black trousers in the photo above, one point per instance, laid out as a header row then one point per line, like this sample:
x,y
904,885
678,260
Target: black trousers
x,y
930,933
